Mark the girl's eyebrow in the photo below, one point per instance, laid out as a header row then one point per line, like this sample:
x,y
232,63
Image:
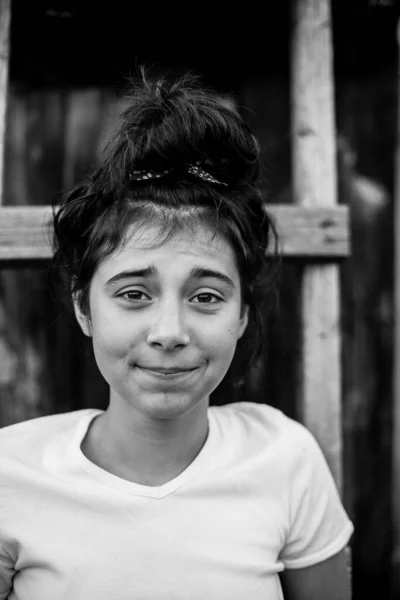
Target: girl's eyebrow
x,y
195,273
205,273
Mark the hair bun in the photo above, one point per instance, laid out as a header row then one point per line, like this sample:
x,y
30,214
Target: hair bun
x,y
167,125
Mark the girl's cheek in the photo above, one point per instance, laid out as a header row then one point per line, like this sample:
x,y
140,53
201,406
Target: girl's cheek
x,y
114,335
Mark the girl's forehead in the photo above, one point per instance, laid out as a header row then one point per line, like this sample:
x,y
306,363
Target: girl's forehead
x,y
198,237
152,242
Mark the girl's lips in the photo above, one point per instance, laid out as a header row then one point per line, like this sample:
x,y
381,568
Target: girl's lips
x,y
168,369
167,373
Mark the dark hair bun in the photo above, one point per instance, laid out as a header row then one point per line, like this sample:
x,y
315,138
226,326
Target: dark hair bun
x,y
167,125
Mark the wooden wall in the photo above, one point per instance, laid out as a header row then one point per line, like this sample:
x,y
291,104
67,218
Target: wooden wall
x,y
55,137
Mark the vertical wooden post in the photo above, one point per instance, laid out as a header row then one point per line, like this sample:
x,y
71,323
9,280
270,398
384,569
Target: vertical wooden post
x,y
396,350
314,184
7,360
5,18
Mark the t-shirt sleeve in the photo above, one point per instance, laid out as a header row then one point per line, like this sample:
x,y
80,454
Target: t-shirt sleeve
x,y
7,573
318,525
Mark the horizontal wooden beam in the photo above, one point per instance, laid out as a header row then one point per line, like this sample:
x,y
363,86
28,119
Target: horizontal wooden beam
x,y
314,233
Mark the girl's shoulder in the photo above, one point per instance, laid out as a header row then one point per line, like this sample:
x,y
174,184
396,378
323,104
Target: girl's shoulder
x,y
29,438
267,429
261,418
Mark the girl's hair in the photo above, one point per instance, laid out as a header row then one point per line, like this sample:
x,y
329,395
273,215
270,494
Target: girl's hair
x,y
180,156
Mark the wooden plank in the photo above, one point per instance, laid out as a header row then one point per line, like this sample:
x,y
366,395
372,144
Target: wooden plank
x,y
5,17
314,184
319,233
312,232
33,171
87,117
396,354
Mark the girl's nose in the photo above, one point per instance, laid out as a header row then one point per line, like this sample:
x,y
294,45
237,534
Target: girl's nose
x,y
168,331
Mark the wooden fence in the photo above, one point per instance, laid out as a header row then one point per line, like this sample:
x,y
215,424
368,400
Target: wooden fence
x,y
314,229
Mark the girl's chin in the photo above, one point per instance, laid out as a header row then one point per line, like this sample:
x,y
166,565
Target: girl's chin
x,y
167,406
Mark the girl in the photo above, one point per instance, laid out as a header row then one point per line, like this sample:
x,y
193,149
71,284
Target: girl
x,y
163,254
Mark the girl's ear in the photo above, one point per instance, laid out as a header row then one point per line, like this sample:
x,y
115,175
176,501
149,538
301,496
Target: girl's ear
x,y
82,319
244,319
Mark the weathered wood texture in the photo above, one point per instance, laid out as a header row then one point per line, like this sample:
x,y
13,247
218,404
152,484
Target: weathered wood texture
x,y
366,111
314,183
5,17
396,360
320,233
32,170
8,362
47,367
366,331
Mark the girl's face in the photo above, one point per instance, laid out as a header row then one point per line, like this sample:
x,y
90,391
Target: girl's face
x,y
165,320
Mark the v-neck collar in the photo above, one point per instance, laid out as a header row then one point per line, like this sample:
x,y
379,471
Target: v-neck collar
x,y
130,487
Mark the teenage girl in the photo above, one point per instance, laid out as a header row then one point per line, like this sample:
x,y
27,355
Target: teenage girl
x,y
162,497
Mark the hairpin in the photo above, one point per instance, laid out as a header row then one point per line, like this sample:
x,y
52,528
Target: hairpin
x,y
196,170
148,174
192,168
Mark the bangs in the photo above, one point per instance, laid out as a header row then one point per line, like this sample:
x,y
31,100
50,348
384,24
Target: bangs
x,y
170,209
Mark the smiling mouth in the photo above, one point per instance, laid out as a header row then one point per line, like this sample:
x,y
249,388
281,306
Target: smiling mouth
x,y
166,372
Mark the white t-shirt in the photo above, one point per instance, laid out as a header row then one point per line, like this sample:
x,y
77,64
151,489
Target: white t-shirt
x,y
258,498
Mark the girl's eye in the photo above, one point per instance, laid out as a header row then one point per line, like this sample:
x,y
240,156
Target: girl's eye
x,y
138,296
134,295
206,297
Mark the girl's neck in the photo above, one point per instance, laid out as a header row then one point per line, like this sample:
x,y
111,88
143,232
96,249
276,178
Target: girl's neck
x,y
142,450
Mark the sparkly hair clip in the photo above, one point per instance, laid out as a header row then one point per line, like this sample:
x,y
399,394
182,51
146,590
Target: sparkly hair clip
x,y
196,170
192,168
148,174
